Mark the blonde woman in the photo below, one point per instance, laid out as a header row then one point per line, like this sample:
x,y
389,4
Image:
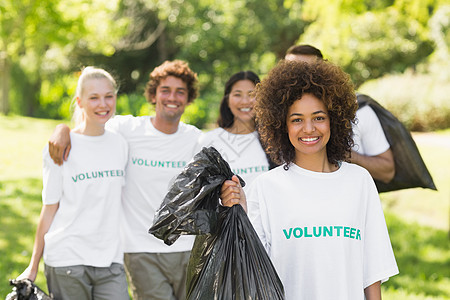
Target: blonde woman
x,y
78,229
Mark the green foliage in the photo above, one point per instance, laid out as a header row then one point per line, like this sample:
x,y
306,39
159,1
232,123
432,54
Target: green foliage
x,y
43,42
195,113
440,34
41,38
56,97
33,35
367,44
130,104
420,101
217,38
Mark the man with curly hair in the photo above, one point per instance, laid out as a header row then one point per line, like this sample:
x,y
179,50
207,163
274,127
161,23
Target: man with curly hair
x,y
371,149
159,148
318,216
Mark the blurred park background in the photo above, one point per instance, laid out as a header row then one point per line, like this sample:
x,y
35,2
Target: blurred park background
x,y
396,51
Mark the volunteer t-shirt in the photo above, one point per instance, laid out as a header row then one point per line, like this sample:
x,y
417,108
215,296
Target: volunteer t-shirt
x,y
88,188
155,159
243,152
325,232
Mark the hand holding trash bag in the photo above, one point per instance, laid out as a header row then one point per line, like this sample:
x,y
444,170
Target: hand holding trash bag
x,y
25,289
232,193
228,260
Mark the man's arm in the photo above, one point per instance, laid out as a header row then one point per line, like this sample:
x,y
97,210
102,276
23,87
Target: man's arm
x,y
59,144
381,166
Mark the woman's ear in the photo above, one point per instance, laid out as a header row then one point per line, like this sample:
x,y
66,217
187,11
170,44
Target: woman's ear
x,y
79,102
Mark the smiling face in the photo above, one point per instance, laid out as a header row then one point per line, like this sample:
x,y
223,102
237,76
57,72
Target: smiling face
x,y
171,99
308,126
241,102
97,101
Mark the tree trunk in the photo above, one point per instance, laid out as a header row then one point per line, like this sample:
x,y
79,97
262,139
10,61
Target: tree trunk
x,y
162,47
32,97
4,83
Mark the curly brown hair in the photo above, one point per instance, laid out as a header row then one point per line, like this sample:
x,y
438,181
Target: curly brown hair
x,y
288,82
176,68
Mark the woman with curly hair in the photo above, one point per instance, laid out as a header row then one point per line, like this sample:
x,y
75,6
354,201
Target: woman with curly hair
x,y
319,217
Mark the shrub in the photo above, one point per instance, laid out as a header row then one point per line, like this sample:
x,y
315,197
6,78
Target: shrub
x,y
419,101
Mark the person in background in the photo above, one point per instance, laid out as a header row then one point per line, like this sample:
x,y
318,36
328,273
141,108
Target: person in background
x,y
236,138
371,149
319,218
306,53
81,213
160,147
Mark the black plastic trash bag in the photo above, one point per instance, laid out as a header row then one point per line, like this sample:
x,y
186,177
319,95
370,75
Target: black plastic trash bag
x,y
232,264
410,169
228,260
26,290
191,204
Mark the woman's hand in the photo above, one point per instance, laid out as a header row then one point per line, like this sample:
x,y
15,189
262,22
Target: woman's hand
x,y
28,274
232,193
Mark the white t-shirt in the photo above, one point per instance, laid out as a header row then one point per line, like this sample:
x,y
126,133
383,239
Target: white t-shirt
x,y
243,152
325,232
368,135
155,158
88,188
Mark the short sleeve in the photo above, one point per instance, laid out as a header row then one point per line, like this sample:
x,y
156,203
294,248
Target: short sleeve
x,y
52,179
369,135
379,259
119,124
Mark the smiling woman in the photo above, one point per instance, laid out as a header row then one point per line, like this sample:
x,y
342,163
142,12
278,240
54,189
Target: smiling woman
x,y
308,126
96,97
79,202
236,138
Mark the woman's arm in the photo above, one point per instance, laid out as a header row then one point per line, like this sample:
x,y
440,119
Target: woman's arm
x,y
45,220
59,144
373,292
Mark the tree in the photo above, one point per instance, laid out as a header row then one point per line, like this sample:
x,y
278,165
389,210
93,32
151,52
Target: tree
x,y
370,38
217,38
28,30
38,40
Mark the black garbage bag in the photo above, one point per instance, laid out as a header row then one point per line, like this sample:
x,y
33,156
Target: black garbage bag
x,y
26,290
410,169
228,261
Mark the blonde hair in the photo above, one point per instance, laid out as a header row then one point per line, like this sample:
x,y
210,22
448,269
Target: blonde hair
x,y
88,73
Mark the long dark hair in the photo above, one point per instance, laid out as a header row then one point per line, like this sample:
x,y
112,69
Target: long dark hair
x,y
226,117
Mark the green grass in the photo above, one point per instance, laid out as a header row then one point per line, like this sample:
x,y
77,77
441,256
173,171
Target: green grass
x,y
22,142
418,219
